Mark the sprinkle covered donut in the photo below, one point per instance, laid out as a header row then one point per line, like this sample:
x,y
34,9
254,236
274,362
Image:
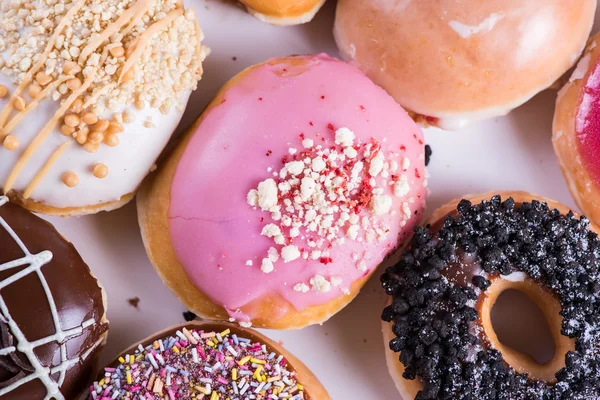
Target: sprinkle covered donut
x,y
52,311
443,289
90,93
202,360
286,195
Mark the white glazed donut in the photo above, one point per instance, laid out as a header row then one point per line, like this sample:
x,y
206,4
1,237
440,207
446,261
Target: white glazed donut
x,y
112,79
455,62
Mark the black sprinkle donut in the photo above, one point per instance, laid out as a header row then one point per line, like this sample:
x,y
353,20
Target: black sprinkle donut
x,y
443,281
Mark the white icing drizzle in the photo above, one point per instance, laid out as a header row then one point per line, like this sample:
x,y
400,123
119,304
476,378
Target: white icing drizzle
x,y
465,31
35,262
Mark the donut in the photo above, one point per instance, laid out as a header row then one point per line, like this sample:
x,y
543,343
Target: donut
x,y
575,132
455,62
52,311
448,280
280,202
90,93
204,360
283,12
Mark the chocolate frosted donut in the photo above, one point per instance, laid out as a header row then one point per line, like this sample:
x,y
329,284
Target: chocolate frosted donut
x,y
205,360
52,313
446,283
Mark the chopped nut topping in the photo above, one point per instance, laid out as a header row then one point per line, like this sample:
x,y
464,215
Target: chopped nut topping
x,y
3,92
72,120
153,60
100,171
20,103
11,142
89,118
70,179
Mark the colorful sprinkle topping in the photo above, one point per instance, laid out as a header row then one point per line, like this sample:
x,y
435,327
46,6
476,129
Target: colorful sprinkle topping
x,y
194,364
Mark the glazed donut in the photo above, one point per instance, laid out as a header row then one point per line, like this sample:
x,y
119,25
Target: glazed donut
x,y
449,279
52,311
285,196
456,62
283,12
90,93
204,360
575,132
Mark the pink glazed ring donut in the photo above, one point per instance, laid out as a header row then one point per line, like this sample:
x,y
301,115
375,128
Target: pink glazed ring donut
x,y
298,180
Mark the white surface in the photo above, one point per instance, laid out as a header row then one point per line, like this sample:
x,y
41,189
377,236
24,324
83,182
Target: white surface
x,y
346,353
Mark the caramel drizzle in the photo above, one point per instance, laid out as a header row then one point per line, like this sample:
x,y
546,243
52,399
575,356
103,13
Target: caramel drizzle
x,y
135,13
97,95
46,168
31,106
43,134
130,17
143,41
149,4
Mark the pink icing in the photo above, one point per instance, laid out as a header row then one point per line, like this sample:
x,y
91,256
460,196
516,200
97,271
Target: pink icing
x,y
588,124
213,229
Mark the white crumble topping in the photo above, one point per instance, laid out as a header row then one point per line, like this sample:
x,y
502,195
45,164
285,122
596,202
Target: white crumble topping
x,y
324,195
336,281
318,164
344,137
267,194
377,164
308,143
381,205
352,232
267,266
406,210
301,287
320,284
350,152
252,198
401,187
361,266
307,188
273,254
290,253
249,263
295,167
271,230
405,163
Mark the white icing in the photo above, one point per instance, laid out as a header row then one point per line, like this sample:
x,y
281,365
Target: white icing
x,y
534,33
515,277
35,262
128,163
466,31
582,67
392,6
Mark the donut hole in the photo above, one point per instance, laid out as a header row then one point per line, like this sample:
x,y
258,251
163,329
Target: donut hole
x,y
521,325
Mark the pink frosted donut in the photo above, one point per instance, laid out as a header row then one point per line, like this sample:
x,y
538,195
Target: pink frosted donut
x,y
576,131
281,201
